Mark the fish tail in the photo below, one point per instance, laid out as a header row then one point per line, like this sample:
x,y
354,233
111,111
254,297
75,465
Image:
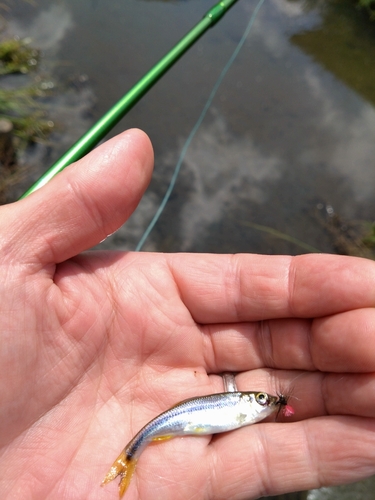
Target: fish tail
x,y
123,466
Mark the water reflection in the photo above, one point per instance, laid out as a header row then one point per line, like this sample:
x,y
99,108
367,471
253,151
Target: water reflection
x,y
222,169
47,29
276,106
312,129
283,133
343,35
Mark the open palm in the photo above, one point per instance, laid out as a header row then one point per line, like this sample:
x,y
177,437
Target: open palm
x,y
95,345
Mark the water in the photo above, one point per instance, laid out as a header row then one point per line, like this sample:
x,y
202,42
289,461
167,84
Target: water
x,y
287,131
287,144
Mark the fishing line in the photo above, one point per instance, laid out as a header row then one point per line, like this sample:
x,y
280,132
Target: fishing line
x,y
196,127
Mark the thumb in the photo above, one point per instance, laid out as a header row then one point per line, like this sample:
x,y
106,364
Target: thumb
x,y
84,203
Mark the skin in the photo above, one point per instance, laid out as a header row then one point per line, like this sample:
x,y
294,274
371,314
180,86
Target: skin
x,y
94,345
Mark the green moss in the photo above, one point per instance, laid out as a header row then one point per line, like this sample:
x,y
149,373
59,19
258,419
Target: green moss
x,y
22,108
16,56
369,237
22,105
368,5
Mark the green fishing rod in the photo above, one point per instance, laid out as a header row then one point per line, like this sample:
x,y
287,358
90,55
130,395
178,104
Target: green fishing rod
x,y
98,131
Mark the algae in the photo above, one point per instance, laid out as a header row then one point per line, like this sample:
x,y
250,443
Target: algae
x,y
17,56
22,105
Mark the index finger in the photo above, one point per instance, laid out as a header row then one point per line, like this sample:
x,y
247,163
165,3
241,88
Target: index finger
x,y
233,288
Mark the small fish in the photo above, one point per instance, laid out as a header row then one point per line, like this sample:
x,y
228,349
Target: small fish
x,y
197,417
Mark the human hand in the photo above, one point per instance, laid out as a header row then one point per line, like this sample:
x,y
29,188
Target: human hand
x,y
95,345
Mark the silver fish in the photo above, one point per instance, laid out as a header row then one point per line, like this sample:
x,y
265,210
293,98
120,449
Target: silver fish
x,y
195,416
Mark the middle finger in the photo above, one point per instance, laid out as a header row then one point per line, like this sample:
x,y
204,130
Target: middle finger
x,y
343,342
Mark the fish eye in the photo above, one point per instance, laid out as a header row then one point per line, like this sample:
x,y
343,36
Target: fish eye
x,y
261,398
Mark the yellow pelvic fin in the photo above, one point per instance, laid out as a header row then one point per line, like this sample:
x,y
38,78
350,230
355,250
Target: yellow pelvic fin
x,y
123,467
162,438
